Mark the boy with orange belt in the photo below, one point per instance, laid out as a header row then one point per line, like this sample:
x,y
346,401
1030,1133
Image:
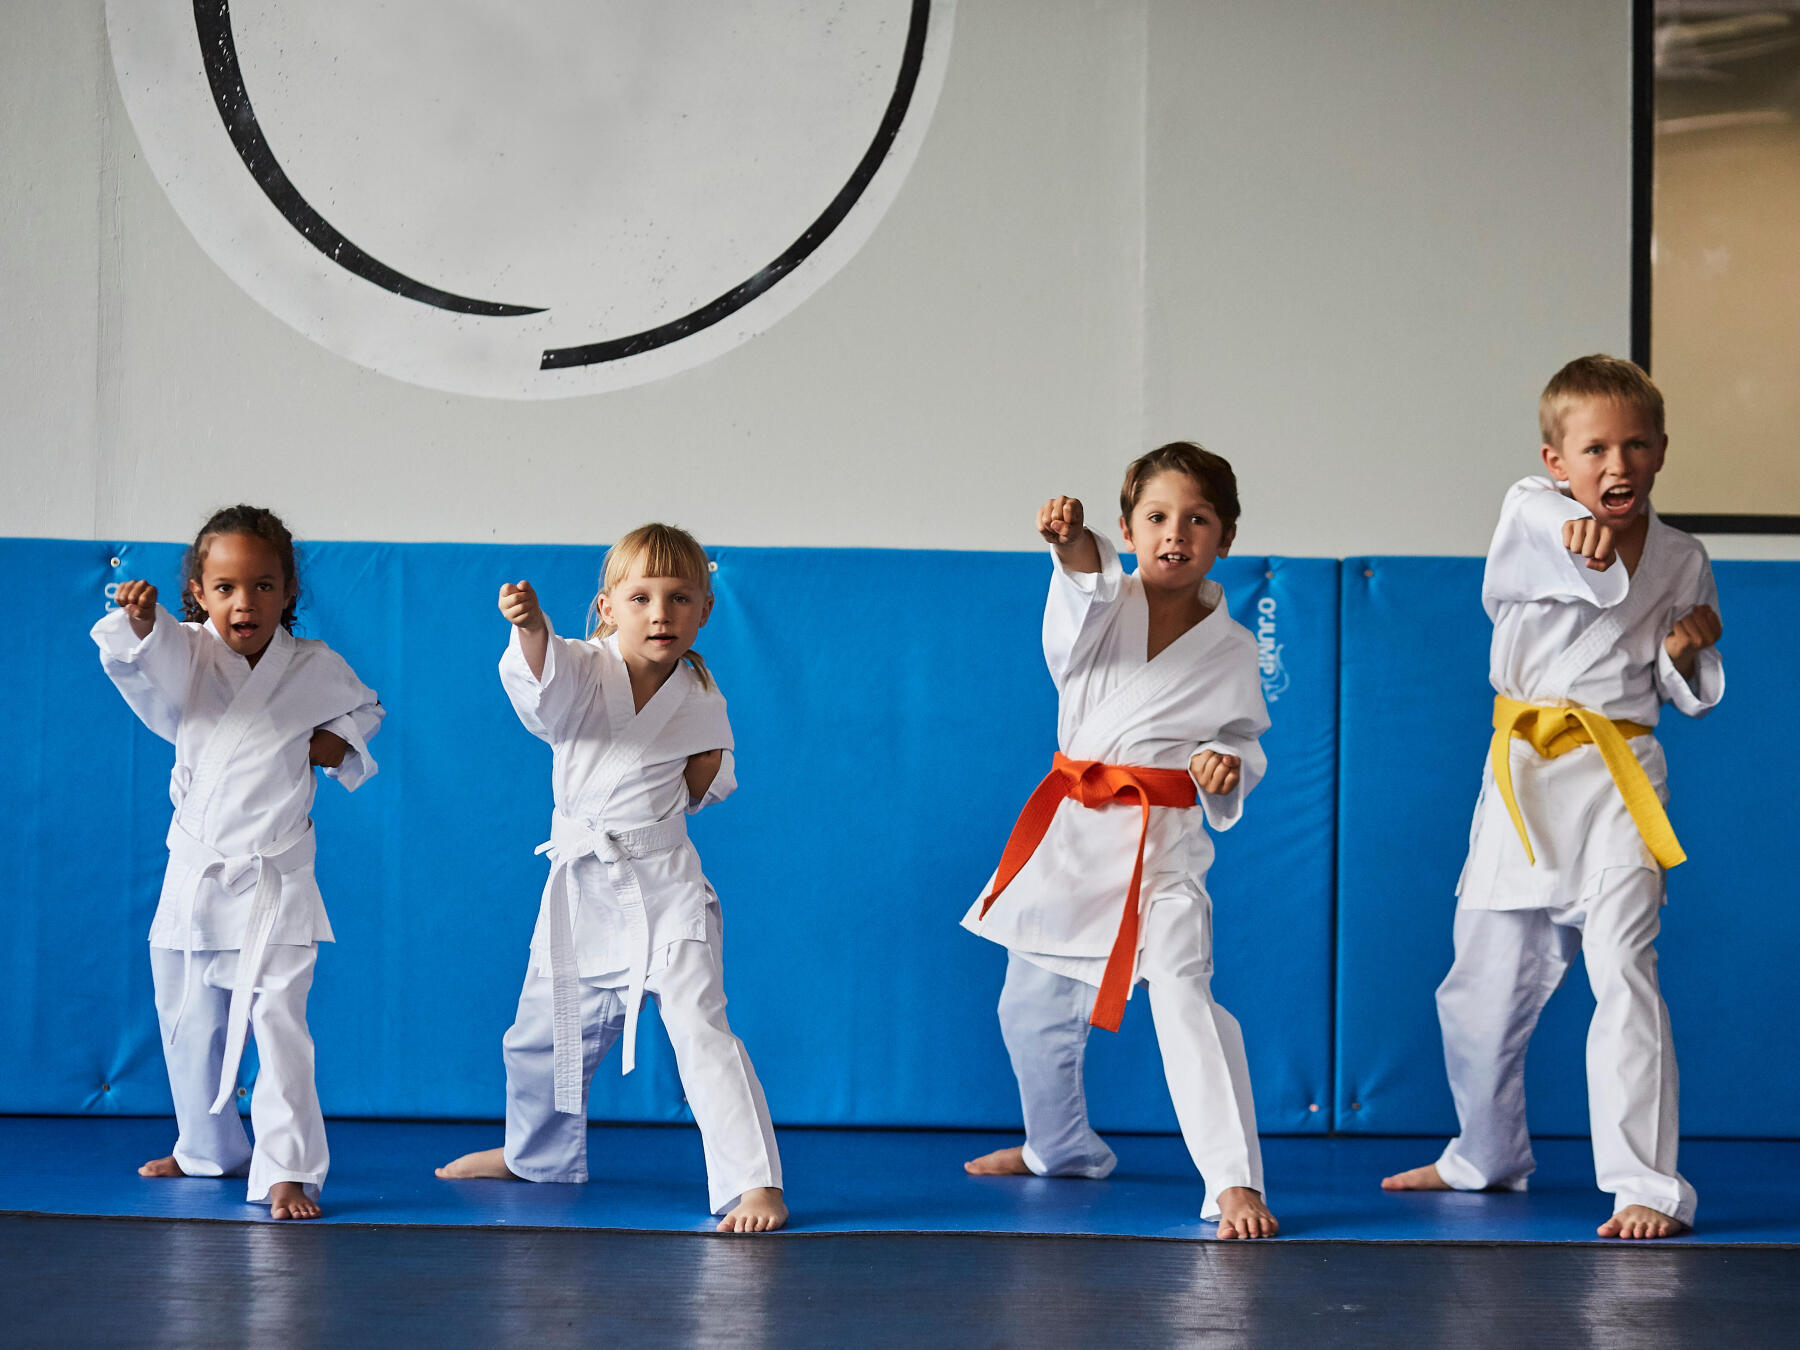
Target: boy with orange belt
x,y
1601,614
1103,883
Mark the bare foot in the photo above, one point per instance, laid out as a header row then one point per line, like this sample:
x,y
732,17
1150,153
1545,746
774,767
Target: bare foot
x,y
289,1200
757,1211
490,1163
1242,1214
1424,1178
1002,1162
1640,1221
161,1167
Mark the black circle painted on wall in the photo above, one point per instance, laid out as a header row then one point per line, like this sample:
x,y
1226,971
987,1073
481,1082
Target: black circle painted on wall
x,y
224,73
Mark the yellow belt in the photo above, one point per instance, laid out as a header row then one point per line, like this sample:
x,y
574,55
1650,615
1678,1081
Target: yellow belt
x,y
1554,731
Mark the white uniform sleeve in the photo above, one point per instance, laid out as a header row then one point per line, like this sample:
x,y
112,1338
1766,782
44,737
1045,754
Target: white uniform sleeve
x,y
357,727
151,673
549,704
1701,695
724,783
1527,560
1242,737
1078,607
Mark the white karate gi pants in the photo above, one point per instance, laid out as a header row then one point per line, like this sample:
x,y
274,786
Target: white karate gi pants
x,y
1044,1019
284,1105
544,1144
1508,963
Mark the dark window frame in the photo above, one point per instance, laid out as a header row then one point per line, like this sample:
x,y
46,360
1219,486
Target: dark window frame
x,y
1643,227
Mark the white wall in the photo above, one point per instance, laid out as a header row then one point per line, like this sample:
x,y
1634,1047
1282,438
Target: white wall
x,y
1342,244
1376,230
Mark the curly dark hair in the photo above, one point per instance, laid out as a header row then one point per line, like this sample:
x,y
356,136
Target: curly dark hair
x,y
259,523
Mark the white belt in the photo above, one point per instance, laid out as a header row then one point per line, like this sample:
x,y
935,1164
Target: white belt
x,y
571,839
262,869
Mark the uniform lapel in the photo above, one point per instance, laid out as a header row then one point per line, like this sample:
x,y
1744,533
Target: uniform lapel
x,y
246,709
634,731
1609,628
1100,728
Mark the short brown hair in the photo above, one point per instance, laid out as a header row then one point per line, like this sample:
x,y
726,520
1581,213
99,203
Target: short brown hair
x,y
1597,377
1212,472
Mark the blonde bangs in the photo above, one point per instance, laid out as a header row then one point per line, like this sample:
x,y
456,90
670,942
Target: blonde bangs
x,y
658,551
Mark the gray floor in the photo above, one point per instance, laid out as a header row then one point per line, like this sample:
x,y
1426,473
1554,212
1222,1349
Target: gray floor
x,y
156,1282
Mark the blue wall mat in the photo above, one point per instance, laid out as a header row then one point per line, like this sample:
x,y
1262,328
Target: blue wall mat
x,y
83,845
885,743
1413,731
1732,926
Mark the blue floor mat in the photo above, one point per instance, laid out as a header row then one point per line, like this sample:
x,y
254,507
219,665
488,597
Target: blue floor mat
x,y
650,1178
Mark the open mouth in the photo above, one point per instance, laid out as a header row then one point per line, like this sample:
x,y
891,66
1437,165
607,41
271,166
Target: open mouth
x,y
244,630
1172,559
1619,498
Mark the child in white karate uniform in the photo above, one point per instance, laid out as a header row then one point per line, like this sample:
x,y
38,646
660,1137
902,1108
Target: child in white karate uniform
x,y
1159,711
640,741
1602,613
251,710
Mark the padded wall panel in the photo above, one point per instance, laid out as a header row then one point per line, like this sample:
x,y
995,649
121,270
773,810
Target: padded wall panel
x,y
1732,926
82,846
1414,727
891,712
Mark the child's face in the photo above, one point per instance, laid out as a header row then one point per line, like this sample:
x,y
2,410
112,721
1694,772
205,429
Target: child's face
x,y
1175,532
658,618
242,590
1609,456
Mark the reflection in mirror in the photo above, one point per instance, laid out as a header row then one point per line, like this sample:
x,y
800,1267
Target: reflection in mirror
x,y
1725,260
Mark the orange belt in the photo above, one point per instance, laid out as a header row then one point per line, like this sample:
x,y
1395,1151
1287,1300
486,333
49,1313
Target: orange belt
x,y
1092,783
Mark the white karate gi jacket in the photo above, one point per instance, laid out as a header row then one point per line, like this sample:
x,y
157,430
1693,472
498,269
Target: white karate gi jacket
x,y
583,707
242,784
1570,636
1202,692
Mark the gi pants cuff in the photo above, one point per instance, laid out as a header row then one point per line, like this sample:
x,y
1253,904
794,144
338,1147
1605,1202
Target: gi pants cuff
x,y
574,1176
1460,1175
1096,1170
204,1167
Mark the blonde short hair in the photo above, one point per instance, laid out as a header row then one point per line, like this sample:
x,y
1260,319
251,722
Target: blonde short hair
x,y
663,551
1596,378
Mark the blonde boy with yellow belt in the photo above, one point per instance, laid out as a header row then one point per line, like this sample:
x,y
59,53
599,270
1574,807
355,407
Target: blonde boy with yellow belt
x,y
1601,615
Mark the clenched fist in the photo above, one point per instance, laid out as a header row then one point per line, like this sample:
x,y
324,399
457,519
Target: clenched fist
x,y
1694,631
1215,773
1589,539
138,600
1060,520
520,606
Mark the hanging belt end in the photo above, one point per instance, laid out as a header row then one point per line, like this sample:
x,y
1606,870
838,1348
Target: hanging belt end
x,y
1109,1011
1107,1019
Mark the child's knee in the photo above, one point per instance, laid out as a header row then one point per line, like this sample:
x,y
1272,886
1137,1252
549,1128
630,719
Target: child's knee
x,y
1027,1024
698,1022
1621,968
